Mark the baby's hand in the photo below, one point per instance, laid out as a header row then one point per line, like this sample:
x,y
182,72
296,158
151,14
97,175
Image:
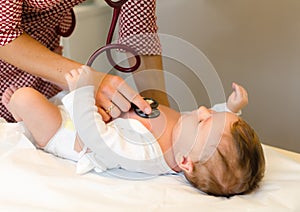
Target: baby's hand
x,y
237,99
78,78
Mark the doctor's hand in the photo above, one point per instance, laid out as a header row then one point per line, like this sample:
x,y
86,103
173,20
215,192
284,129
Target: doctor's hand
x,y
237,99
114,96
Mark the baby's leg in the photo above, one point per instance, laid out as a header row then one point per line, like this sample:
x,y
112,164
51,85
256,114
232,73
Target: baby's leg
x,y
41,117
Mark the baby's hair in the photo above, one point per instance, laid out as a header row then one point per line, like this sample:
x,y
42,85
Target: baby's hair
x,y
223,175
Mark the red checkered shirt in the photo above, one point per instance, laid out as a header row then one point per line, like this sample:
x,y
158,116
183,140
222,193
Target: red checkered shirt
x,y
40,19
138,27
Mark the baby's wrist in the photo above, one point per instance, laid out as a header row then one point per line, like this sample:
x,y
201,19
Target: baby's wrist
x,y
233,109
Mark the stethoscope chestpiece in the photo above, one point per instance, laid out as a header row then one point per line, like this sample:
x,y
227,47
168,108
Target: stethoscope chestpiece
x,y
153,103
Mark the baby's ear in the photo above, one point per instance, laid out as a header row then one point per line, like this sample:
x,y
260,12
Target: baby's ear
x,y
186,164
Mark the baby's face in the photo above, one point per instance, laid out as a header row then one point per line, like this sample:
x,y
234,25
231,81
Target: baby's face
x,y
197,134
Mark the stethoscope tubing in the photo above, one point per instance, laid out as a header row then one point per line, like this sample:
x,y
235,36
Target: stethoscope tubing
x,y
109,46
116,4
108,49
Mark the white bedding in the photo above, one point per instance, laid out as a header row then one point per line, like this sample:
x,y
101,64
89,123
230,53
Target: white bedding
x,y
32,180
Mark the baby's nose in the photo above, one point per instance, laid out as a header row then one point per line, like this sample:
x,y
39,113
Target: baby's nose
x,y
203,113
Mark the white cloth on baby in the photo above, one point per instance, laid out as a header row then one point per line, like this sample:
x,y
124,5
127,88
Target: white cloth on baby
x,y
122,143
62,143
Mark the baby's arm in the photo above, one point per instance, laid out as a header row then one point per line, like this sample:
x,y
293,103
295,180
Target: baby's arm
x,y
237,99
80,104
106,141
111,144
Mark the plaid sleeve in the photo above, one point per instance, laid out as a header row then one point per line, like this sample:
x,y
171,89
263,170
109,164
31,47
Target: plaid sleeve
x,y
137,26
10,20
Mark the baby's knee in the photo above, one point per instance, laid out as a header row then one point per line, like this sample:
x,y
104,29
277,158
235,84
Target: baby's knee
x,y
24,95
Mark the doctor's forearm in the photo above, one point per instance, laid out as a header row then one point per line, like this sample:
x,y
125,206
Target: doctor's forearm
x,y
150,79
29,55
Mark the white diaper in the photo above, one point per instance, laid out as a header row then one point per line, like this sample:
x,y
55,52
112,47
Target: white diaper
x,y
62,143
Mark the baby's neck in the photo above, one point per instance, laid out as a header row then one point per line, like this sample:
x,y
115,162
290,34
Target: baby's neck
x,y
165,130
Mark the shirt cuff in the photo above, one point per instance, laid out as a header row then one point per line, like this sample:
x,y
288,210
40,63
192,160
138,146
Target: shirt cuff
x,y
222,107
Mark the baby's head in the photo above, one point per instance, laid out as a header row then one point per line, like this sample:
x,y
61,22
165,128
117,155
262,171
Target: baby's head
x,y
231,161
236,167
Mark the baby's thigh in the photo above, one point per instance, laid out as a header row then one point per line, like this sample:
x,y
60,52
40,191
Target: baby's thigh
x,y
41,117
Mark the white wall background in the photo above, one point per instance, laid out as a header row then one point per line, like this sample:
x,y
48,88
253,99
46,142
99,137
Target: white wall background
x,y
253,42
92,24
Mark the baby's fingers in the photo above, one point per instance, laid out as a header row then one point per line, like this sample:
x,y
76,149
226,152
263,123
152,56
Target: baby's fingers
x,y
240,92
237,89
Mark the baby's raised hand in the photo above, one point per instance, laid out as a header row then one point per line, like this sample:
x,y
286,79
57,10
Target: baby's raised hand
x,y
80,77
237,99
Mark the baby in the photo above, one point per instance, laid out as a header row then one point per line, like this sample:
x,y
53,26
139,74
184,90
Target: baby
x,y
218,152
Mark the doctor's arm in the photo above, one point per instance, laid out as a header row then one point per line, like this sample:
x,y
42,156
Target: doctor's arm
x,y
29,55
138,29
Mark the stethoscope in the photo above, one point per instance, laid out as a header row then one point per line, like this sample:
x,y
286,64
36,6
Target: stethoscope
x,y
116,5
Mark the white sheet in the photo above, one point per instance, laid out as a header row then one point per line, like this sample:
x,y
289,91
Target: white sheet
x,y
32,180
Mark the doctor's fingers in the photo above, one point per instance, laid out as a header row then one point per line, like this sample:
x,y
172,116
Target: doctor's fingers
x,y
119,92
106,107
110,99
132,96
115,89
105,116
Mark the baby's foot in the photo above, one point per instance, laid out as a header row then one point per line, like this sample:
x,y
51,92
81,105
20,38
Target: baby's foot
x,y
78,78
7,95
